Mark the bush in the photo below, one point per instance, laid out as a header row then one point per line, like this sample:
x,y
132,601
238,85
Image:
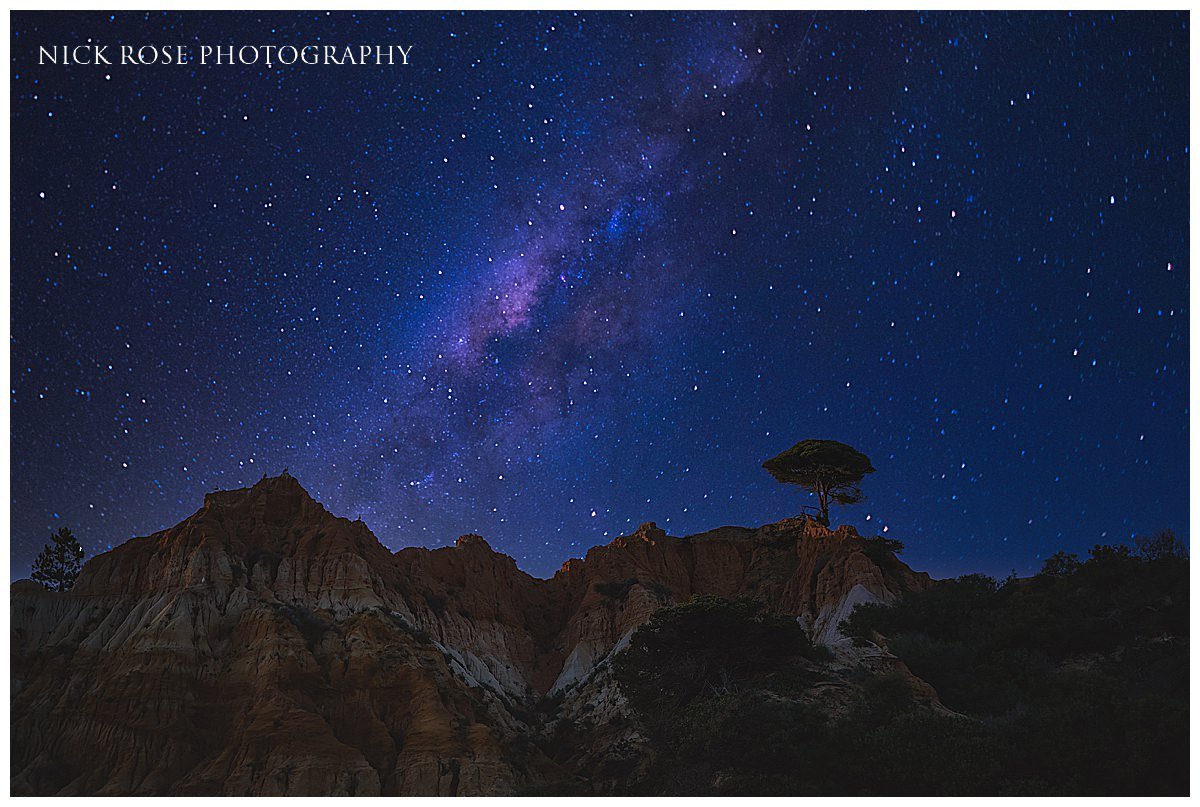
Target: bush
x,y
707,645
1065,668
1060,564
1073,682
1160,546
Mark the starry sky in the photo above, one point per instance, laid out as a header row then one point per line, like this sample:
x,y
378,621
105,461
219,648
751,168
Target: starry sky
x,y
566,273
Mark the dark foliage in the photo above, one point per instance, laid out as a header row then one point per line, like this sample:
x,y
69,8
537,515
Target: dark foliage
x,y
1074,682
754,731
1081,672
1160,546
59,562
706,646
1060,564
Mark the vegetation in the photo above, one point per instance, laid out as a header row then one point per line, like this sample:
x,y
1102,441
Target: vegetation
x,y
1160,545
59,562
1074,682
706,646
830,469
1079,673
881,549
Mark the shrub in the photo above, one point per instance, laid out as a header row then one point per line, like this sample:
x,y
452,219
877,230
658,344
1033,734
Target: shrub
x,y
1159,546
707,645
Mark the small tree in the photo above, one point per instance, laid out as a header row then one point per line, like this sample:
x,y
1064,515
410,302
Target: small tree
x,y
830,469
59,562
1060,564
1160,545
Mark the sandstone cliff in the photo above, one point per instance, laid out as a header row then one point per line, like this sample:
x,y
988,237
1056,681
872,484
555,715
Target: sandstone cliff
x,y
264,646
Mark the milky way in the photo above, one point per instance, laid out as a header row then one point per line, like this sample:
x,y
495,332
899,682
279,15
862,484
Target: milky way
x,y
565,273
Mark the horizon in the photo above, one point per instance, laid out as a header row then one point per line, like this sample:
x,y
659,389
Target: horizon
x,y
452,543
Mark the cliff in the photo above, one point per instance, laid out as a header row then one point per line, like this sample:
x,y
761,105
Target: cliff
x,y
264,646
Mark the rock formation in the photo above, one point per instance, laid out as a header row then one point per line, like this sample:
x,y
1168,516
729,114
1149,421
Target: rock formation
x,y
264,646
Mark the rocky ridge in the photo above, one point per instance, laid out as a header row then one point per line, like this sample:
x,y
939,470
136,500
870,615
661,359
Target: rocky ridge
x,y
264,646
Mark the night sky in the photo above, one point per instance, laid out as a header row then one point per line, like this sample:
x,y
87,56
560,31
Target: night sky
x,y
566,273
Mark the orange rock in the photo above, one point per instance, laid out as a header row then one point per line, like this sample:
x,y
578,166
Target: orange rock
x,y
264,646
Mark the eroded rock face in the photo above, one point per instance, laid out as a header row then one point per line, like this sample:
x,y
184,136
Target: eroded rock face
x,y
265,647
